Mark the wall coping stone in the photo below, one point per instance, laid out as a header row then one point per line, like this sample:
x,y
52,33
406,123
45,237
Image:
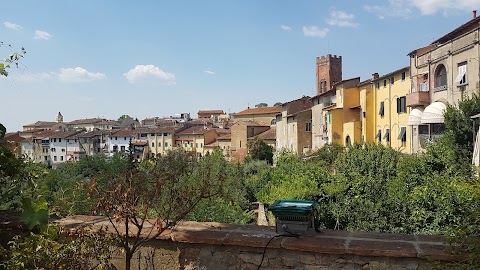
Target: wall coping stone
x,y
326,242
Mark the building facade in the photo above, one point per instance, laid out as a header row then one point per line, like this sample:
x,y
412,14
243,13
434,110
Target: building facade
x,y
442,73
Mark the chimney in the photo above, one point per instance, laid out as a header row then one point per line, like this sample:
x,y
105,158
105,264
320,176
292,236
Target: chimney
x,y
375,76
474,14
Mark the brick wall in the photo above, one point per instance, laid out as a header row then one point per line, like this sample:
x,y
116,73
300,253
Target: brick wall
x,y
329,69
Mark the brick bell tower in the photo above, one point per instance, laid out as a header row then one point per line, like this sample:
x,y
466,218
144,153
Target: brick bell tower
x,y
329,71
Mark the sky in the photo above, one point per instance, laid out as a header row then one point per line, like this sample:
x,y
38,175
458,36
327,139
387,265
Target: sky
x,y
108,58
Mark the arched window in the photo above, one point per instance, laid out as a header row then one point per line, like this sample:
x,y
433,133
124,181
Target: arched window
x,y
441,78
273,122
348,141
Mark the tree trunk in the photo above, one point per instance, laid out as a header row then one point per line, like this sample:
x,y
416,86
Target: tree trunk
x,y
128,260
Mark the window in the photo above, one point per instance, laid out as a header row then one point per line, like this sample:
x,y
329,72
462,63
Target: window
x,y
404,76
381,112
201,145
402,104
379,135
53,150
378,85
59,140
273,122
54,158
75,140
191,144
116,138
385,83
54,139
166,144
387,135
61,158
392,80
46,158
308,126
185,145
63,149
165,134
153,144
98,150
122,148
196,145
423,129
462,74
403,134
441,78
115,148
125,138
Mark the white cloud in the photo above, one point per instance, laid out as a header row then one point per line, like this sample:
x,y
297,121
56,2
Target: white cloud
x,y
141,72
12,26
428,7
79,74
405,8
209,72
314,31
342,19
42,35
285,27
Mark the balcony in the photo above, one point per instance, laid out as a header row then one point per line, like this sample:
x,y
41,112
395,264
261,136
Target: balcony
x,y
419,98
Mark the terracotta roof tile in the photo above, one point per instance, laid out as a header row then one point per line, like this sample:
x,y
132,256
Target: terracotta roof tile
x,y
270,134
195,130
86,121
252,124
227,137
14,137
223,131
41,124
211,112
262,110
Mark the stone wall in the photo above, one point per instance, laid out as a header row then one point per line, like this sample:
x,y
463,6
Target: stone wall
x,y
195,245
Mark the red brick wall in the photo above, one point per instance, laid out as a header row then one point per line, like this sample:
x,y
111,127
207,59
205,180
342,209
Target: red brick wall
x,y
329,69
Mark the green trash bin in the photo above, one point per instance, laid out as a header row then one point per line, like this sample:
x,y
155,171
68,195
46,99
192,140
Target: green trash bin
x,y
294,216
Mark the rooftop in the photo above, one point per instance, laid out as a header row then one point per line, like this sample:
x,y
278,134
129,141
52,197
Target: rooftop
x,y
263,110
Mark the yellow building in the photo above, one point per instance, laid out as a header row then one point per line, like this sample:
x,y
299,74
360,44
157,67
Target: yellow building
x,y
342,118
367,109
391,112
195,138
162,139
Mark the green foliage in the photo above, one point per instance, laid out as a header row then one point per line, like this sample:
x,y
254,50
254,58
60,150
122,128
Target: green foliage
x,y
219,210
256,174
12,59
35,213
328,154
50,251
293,179
259,150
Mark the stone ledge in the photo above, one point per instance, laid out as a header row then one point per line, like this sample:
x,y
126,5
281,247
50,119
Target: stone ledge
x,y
325,242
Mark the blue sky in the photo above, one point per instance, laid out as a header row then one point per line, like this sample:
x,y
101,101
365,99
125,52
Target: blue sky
x,y
158,58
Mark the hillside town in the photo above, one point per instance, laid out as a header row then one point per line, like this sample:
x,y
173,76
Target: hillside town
x,y
402,109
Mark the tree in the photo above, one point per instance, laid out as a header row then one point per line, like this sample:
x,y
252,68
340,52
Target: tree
x,y
259,150
151,197
12,59
261,105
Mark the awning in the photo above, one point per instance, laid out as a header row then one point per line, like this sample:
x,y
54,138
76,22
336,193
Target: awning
x,y
379,135
433,113
415,117
387,135
403,132
461,72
